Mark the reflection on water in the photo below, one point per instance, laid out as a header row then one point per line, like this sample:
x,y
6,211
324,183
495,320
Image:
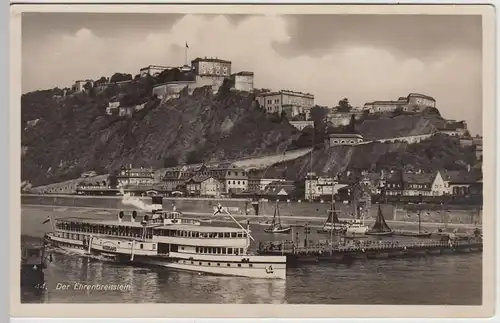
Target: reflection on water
x,y
453,280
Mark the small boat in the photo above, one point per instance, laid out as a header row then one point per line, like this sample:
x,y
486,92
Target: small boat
x,y
415,234
33,263
356,228
418,234
276,226
380,227
332,224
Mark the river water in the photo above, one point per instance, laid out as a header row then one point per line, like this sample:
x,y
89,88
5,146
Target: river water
x,y
433,280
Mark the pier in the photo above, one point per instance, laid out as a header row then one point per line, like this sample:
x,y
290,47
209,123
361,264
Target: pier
x,y
346,251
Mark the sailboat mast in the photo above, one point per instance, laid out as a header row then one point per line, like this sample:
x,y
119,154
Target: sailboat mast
x,y
419,221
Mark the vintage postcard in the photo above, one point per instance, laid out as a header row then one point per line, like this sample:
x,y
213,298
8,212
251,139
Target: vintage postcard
x,y
252,161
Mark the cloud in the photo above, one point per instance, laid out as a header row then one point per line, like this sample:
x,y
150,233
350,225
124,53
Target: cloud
x,y
357,68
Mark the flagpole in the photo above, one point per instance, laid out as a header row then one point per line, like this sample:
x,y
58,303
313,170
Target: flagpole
x,y
247,231
185,53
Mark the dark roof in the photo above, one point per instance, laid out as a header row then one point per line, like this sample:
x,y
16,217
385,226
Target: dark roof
x,y
412,178
199,178
214,60
422,96
345,135
463,177
244,73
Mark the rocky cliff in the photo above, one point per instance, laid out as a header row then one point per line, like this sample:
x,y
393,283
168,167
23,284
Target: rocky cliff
x,y
436,153
63,136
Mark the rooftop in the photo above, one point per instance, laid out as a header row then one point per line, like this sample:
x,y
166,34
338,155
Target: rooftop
x,y
199,228
244,73
211,59
345,135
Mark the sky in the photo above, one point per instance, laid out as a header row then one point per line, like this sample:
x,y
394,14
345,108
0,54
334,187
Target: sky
x,y
360,57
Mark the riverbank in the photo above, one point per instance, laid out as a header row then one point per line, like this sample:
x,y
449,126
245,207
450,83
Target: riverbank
x,y
244,207
312,221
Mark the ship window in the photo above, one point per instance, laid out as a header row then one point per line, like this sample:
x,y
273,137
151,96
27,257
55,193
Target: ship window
x,y
182,248
227,235
241,250
229,265
218,264
220,235
239,265
244,235
154,246
209,264
233,234
250,265
229,251
197,250
142,245
219,250
199,263
239,235
192,262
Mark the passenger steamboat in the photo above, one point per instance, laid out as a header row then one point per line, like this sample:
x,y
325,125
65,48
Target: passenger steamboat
x,y
167,239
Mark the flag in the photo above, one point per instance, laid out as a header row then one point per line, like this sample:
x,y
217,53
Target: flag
x,y
218,210
46,220
187,45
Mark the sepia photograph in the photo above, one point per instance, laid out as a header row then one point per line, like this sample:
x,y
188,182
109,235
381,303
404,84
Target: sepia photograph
x,y
267,155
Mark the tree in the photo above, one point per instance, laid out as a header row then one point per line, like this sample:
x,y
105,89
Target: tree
x,y
318,114
398,111
351,127
344,106
120,77
101,81
193,157
283,115
170,161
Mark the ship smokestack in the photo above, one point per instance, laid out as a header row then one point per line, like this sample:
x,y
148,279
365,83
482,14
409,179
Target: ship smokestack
x,y
157,203
134,215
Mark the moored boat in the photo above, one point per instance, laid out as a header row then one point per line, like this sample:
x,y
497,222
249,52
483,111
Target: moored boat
x,y
380,227
166,239
276,226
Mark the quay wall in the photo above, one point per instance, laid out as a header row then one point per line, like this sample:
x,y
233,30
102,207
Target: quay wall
x,y
244,206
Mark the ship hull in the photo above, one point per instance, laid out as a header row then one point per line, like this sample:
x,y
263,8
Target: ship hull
x,y
252,266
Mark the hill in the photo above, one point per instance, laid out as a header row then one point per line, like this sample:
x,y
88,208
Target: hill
x,y
64,136
432,154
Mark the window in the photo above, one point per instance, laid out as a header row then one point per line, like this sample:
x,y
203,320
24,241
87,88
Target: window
x,y
229,265
154,246
199,263
218,264
241,250
233,234
209,264
239,265
239,183
250,265
227,235
142,246
229,251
